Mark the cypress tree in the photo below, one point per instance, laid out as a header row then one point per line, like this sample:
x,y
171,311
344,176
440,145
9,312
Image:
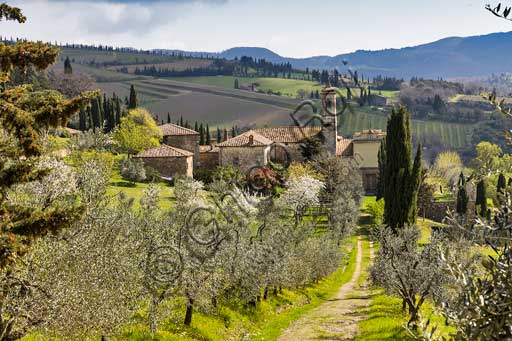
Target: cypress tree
x,y
132,101
90,119
481,198
67,66
414,186
219,135
82,117
168,118
502,184
225,135
117,103
201,135
382,166
95,112
195,127
462,196
398,180
208,139
233,131
181,121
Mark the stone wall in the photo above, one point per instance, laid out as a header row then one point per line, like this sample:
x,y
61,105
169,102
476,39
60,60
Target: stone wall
x,y
186,142
242,157
208,160
171,166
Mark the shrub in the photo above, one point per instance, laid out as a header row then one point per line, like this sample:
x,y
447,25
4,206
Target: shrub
x,y
376,210
152,175
132,169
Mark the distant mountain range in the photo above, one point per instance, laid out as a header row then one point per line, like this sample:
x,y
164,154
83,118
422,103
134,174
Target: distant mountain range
x,y
447,58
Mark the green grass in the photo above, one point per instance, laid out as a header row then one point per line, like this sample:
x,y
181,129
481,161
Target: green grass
x,y
135,190
287,87
385,320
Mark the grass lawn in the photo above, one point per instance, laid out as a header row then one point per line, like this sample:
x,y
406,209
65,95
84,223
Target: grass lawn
x,y
135,190
287,87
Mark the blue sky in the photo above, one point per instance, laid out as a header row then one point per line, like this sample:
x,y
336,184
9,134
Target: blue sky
x,y
293,28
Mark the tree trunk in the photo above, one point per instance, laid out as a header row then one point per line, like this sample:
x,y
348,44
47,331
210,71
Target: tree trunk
x,y
265,293
275,291
188,314
152,316
404,304
214,301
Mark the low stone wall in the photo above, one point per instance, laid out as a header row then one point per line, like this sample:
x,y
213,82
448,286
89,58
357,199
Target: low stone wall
x,y
437,211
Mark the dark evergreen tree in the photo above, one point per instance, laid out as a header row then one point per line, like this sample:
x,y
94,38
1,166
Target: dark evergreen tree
x,y
481,198
233,131
225,135
82,119
502,184
201,135
168,118
96,114
399,181
219,135
132,101
414,183
67,66
382,166
462,196
181,121
208,138
196,128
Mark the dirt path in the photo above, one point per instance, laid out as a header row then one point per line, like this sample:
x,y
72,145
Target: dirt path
x,y
337,318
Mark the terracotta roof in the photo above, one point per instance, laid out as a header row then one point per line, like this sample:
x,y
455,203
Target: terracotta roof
x,y
288,134
244,140
164,151
208,149
344,147
174,129
369,134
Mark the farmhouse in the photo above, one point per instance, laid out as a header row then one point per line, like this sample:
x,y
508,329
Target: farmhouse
x,y
257,146
182,138
168,161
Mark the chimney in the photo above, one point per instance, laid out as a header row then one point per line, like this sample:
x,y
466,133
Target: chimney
x,y
329,119
251,140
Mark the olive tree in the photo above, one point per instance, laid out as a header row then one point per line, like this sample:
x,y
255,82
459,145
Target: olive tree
x,y
408,272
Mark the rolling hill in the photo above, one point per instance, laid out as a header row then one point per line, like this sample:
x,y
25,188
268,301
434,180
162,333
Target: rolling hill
x,y
447,58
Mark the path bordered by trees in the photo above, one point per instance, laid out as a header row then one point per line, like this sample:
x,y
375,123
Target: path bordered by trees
x,y
339,316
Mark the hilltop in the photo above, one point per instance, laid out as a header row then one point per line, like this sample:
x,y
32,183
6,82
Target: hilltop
x,y
446,58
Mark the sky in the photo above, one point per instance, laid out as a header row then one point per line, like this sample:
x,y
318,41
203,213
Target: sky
x,y
291,28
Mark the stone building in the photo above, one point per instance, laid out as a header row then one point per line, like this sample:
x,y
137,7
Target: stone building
x,y
169,161
208,157
182,138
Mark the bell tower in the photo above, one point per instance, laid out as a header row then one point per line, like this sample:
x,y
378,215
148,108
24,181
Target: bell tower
x,y
329,119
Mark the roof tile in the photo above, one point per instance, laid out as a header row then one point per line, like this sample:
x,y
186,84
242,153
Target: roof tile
x,y
164,151
174,129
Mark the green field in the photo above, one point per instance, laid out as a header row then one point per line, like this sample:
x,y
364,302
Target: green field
x,y
287,87
455,135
